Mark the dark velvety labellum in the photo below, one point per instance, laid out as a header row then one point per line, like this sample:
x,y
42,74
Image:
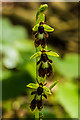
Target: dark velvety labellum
x,y
45,67
39,105
33,104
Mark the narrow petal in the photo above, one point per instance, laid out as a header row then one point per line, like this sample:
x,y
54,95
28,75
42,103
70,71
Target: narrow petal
x,y
33,92
50,60
34,32
38,61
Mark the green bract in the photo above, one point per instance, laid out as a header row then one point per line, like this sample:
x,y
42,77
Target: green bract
x,y
47,28
53,85
33,85
41,9
42,18
52,54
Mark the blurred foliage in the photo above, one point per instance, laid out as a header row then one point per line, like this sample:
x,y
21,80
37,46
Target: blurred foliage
x,y
15,41
68,97
16,52
68,66
18,70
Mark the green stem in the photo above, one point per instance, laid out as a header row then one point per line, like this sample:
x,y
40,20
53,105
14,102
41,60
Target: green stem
x,y
37,50
36,109
36,65
36,114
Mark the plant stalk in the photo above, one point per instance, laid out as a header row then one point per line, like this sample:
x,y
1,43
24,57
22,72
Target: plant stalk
x,y
36,110
36,114
36,65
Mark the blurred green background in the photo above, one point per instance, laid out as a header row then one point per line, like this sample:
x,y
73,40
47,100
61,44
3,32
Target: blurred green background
x,y
18,70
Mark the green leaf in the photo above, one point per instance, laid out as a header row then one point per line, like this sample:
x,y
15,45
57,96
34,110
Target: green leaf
x,y
52,54
40,10
36,55
42,18
46,90
67,94
48,28
33,85
53,85
35,28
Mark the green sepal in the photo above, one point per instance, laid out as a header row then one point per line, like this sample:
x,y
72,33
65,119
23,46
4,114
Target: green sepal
x,y
52,54
35,28
33,85
53,85
42,18
40,10
47,28
47,90
37,54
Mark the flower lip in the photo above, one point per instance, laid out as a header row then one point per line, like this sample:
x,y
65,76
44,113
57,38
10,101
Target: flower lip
x,y
33,104
39,105
45,67
45,71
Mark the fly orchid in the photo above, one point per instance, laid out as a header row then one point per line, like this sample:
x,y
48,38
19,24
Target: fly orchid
x,y
41,33
40,91
45,68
